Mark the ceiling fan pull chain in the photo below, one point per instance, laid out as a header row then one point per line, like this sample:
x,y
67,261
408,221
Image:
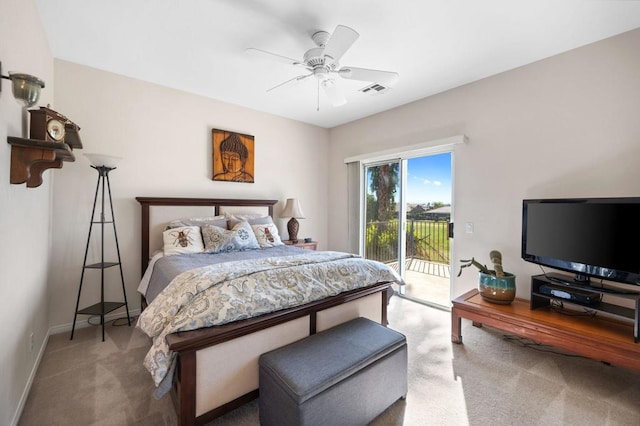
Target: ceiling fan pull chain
x,y
318,99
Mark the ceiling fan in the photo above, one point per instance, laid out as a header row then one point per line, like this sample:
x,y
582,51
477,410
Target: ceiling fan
x,y
322,62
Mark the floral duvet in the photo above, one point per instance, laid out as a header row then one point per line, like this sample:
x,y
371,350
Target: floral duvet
x,y
219,294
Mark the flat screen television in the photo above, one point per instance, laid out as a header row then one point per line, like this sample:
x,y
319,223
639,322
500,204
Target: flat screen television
x,y
588,237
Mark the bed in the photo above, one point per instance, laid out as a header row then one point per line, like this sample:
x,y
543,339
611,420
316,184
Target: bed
x,y
213,367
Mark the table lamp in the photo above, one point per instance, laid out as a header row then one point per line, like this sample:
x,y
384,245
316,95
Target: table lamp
x,y
293,210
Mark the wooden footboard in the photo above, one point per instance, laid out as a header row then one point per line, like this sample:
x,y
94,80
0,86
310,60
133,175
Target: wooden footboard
x,y
200,397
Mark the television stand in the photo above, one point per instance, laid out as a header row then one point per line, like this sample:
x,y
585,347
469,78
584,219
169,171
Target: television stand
x,y
600,338
565,283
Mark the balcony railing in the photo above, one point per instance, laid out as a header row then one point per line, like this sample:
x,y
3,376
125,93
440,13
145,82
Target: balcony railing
x,y
427,240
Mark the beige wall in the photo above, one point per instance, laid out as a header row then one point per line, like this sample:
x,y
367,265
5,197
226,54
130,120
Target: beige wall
x,y
165,138
25,214
566,126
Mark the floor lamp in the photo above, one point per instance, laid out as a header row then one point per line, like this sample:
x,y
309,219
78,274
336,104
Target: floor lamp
x,y
103,164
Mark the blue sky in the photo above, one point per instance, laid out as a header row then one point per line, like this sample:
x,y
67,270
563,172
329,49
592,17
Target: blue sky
x,y
429,179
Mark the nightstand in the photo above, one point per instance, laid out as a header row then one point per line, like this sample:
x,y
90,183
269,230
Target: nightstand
x,y
313,245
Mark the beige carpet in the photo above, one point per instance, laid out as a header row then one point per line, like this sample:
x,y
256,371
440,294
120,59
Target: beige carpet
x,y
490,380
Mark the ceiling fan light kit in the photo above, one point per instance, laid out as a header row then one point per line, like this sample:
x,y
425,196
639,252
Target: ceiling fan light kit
x,y
322,62
333,93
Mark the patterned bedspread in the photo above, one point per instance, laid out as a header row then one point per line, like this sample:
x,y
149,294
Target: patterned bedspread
x,y
213,295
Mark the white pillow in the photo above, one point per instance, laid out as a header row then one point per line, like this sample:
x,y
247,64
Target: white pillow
x,y
267,235
220,220
181,240
218,239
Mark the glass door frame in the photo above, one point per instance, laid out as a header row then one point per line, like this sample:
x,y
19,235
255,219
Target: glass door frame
x,y
402,211
402,223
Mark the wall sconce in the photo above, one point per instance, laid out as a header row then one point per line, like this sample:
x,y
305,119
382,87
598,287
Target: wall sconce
x,y
25,87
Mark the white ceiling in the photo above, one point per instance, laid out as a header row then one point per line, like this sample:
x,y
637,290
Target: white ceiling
x,y
198,46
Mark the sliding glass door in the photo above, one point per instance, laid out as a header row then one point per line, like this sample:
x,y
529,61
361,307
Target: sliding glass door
x,y
407,218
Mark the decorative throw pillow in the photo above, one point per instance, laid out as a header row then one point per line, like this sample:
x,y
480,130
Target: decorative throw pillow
x,y
220,221
217,239
261,220
267,235
181,240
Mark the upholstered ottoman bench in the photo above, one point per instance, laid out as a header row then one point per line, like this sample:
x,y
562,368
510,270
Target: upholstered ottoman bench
x,y
346,375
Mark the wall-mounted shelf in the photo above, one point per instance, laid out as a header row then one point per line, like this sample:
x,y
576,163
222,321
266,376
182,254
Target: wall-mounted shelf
x,y
31,157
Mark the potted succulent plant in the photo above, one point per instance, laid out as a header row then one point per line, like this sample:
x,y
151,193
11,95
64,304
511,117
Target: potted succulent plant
x,y
494,285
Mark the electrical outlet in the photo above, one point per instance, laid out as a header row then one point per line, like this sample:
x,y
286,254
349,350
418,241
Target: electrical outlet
x,y
31,342
468,227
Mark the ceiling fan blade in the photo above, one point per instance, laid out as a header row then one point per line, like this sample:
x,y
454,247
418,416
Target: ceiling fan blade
x,y
339,42
290,82
386,78
333,93
274,56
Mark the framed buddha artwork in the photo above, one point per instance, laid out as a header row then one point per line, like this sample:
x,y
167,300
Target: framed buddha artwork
x,y
233,156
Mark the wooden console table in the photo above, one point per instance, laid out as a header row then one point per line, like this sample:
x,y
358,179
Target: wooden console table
x,y
597,337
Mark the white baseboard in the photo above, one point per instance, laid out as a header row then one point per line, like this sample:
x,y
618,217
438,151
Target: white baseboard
x,y
32,375
57,330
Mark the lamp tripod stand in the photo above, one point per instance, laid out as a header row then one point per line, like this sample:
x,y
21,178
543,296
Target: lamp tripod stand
x,y
102,308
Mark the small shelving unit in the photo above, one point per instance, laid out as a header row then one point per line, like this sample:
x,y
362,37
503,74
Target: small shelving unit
x,y
540,300
103,307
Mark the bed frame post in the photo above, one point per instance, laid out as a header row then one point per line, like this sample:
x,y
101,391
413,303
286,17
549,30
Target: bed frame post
x,y
187,391
385,302
145,237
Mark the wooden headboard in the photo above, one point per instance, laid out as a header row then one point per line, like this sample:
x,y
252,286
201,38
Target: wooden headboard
x,y
166,209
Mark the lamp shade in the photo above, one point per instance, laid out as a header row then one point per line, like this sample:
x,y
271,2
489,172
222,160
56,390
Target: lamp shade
x,y
26,88
292,209
101,160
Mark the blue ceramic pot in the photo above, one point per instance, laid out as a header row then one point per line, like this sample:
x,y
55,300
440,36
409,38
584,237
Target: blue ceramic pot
x,y
494,289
